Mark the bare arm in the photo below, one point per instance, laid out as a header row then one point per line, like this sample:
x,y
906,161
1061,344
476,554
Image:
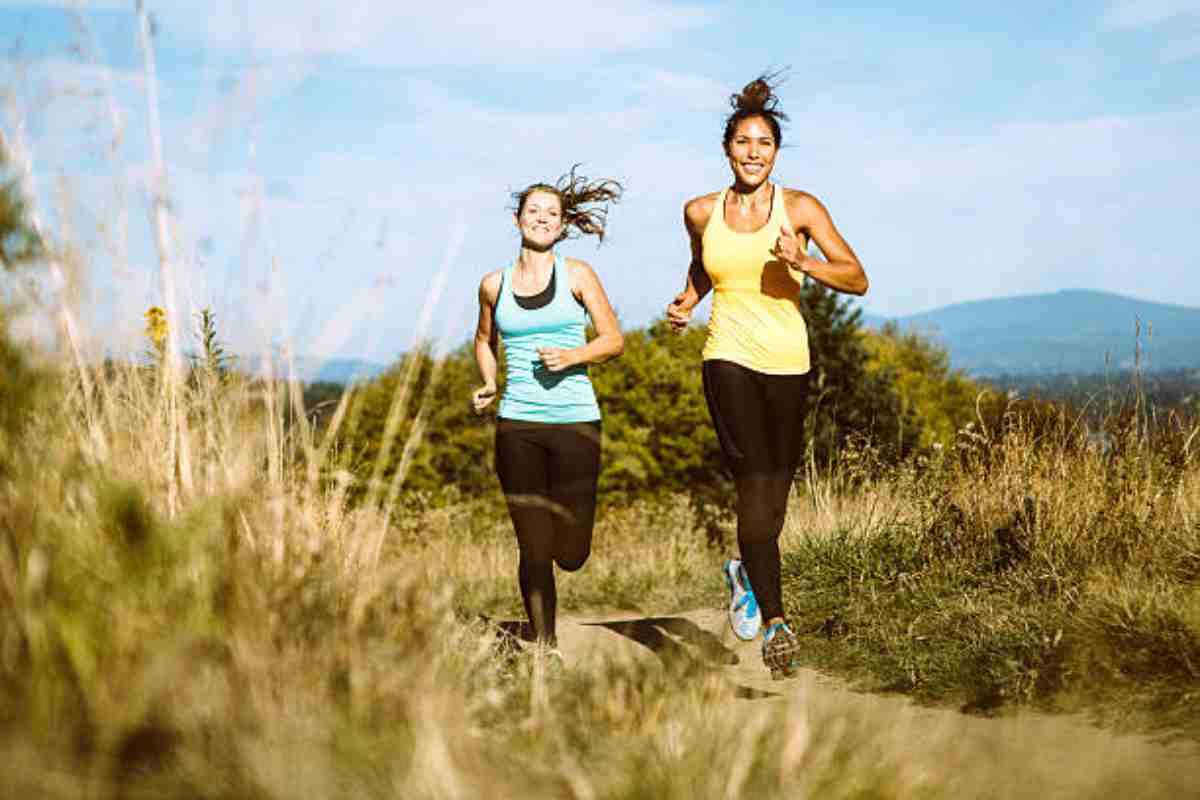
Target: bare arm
x,y
695,217
841,269
608,342
486,341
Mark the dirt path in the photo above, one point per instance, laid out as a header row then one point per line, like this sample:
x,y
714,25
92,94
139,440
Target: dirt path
x,y
1022,754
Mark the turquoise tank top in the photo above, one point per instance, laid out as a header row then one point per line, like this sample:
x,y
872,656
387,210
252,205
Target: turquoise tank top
x,y
533,393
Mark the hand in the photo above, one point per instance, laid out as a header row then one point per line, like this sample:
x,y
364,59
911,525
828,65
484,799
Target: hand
x,y
556,359
483,397
679,314
789,249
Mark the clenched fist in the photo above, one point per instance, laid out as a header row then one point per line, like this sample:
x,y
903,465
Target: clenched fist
x,y
483,396
678,313
556,359
789,249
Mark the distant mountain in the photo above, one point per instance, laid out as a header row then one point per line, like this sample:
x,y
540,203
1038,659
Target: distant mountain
x,y
311,369
1070,331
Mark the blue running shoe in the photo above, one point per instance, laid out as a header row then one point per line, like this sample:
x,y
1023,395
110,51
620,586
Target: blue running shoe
x,y
744,616
780,650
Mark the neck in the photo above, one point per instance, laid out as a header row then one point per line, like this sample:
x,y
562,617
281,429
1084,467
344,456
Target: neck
x,y
751,195
531,260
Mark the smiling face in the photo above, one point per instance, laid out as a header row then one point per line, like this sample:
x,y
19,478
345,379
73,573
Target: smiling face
x,y
540,220
751,151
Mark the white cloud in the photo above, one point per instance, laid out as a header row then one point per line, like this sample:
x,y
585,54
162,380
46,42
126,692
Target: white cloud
x,y
1098,203
937,217
1183,49
421,34
237,109
1140,13
692,91
366,203
1177,21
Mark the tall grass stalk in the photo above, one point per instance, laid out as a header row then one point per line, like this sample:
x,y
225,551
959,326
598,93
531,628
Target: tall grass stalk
x,y
247,647
179,458
1030,564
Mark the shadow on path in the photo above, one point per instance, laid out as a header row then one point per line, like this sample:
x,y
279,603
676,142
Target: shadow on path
x,y
674,638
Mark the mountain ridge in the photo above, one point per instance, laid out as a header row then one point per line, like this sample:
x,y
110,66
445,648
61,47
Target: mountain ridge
x,y
1068,331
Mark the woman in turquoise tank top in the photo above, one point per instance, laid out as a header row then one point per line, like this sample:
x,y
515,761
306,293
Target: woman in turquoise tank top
x,y
548,425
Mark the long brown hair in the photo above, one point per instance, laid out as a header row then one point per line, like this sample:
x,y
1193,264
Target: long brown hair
x,y
757,99
584,202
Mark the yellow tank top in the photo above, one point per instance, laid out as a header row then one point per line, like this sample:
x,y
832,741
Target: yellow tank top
x,y
756,319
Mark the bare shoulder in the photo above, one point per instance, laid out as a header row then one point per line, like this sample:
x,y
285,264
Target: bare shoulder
x,y
698,211
489,287
581,273
803,208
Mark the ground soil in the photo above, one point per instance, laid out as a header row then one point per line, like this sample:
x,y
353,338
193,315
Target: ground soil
x,y
1042,754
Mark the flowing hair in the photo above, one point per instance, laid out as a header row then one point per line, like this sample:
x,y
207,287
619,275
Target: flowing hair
x,y
584,202
757,99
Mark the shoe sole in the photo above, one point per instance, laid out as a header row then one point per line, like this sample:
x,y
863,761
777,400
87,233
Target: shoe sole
x,y
729,582
789,655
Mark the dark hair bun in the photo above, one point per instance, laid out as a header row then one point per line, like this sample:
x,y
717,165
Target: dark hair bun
x,y
756,96
756,99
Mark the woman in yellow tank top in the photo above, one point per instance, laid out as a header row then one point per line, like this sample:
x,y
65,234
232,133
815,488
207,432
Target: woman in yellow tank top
x,y
750,244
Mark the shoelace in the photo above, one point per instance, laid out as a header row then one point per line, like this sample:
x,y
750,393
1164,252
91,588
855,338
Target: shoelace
x,y
770,632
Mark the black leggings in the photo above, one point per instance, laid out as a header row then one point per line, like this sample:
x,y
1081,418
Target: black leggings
x,y
760,423
548,473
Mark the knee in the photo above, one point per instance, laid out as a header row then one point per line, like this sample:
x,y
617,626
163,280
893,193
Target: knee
x,y
570,562
761,523
755,519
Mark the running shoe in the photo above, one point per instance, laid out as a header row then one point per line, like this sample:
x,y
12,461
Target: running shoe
x,y
780,650
744,616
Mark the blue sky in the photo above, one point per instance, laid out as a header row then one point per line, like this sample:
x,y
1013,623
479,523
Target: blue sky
x,y
339,171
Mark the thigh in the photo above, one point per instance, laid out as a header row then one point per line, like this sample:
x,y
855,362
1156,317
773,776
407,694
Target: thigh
x,y
523,466
785,409
737,404
574,471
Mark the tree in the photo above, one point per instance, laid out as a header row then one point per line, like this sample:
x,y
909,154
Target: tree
x,y
941,398
454,448
846,398
658,438
19,381
20,242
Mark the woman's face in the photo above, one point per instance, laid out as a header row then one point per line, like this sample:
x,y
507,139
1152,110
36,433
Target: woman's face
x,y
540,220
751,151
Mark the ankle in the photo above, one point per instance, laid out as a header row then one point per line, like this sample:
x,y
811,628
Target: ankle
x,y
776,621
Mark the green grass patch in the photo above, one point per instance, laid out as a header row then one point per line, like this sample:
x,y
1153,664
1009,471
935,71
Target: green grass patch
x,y
884,609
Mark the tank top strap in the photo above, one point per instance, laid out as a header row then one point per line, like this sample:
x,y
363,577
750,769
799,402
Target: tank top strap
x,y
560,269
718,213
779,215
506,280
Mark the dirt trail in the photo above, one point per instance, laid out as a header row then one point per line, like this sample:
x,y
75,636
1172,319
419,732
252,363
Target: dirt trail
x,y
1021,754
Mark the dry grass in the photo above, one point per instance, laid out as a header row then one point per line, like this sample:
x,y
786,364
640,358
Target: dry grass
x,y
263,639
1027,565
